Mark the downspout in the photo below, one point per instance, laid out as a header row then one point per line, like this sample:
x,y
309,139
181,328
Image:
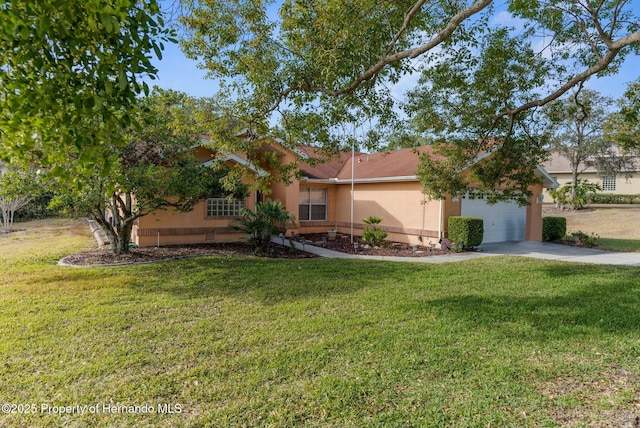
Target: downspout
x,y
424,209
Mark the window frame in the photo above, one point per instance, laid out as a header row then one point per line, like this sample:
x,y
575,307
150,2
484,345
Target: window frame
x,y
215,208
608,183
311,204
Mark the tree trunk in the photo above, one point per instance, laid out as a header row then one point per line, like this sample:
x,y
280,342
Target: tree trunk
x,y
119,236
574,184
9,208
124,236
6,224
121,246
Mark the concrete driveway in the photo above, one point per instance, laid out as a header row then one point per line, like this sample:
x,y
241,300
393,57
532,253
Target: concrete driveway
x,y
548,251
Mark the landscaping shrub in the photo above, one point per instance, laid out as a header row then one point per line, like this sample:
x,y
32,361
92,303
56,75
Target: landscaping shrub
x,y
260,224
612,198
372,234
466,231
582,194
553,228
581,239
38,208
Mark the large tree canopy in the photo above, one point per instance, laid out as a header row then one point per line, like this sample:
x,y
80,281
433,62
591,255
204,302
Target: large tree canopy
x,y
624,127
69,77
576,123
156,169
313,66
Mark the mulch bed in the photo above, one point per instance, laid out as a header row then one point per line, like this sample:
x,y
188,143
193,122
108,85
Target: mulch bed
x,y
343,244
105,257
155,254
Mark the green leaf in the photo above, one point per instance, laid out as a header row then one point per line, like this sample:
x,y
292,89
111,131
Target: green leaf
x,y
68,80
43,25
25,34
87,156
122,79
106,167
57,171
77,102
157,50
88,102
107,21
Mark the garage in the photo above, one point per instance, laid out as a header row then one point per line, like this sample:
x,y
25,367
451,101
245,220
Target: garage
x,y
503,221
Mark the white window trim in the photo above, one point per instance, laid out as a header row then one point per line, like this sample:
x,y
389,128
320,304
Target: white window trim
x,y
310,204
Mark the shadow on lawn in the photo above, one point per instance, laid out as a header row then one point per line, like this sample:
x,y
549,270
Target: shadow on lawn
x,y
567,298
589,300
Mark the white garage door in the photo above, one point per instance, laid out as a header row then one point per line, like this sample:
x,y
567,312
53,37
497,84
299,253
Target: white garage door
x,y
503,221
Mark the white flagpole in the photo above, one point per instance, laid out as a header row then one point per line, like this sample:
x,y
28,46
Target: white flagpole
x,y
353,155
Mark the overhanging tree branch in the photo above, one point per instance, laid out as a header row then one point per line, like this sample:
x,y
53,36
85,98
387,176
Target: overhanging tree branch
x,y
408,16
386,60
599,66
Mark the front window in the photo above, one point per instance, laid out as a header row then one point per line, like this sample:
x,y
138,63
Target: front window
x,y
222,207
313,204
609,183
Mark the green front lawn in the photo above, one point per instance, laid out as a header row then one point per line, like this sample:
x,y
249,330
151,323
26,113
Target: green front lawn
x,y
611,244
257,342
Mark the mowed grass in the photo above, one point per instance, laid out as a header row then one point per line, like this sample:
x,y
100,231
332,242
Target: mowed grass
x,y
229,341
612,244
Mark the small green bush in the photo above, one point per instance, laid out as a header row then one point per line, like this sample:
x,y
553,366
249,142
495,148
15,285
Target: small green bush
x,y
466,231
372,234
581,239
553,228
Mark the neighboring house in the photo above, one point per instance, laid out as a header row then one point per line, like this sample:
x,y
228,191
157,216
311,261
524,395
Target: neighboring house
x,y
384,185
622,183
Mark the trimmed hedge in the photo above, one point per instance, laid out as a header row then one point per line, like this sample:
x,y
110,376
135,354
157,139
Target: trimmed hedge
x,y
466,231
553,228
613,198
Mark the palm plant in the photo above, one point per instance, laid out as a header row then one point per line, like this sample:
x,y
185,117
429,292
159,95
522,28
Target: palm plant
x,y
260,224
372,234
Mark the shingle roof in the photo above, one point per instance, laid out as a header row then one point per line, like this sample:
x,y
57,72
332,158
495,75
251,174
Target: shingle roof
x,y
324,170
557,163
391,164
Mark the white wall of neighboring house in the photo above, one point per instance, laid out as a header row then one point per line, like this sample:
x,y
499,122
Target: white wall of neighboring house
x,y
622,184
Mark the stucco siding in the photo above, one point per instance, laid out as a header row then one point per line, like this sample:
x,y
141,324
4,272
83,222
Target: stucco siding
x,y
624,185
534,216
405,214
171,227
384,188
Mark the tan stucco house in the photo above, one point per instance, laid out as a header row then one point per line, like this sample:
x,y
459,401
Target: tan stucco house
x,y
622,183
338,194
